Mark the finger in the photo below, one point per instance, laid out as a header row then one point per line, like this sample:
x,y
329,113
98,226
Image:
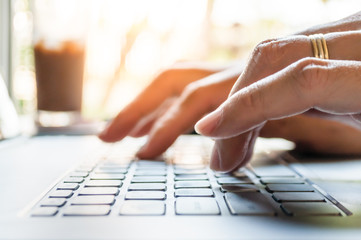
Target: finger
x,y
274,55
250,148
168,84
166,130
267,58
146,123
197,100
143,105
143,127
230,154
329,86
271,56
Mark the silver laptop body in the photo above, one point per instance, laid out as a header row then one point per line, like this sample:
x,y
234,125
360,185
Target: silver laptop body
x,y
184,201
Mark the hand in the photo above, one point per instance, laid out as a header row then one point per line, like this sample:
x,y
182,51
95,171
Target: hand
x,y
171,105
281,80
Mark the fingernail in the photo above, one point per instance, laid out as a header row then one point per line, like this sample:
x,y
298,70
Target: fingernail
x,y
208,124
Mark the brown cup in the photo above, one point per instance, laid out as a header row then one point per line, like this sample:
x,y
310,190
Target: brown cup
x,y
59,79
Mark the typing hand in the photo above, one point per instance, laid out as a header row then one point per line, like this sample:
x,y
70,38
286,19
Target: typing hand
x,y
171,105
282,80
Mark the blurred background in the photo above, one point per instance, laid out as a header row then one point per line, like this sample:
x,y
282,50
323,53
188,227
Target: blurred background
x,y
129,41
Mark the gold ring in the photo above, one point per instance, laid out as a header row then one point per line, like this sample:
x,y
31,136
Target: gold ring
x,y
319,46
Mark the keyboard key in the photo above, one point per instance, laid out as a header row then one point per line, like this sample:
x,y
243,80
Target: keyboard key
x,y
113,165
140,207
53,202
196,206
310,209
74,180
289,188
150,173
68,186
248,203
233,180
61,194
190,171
149,179
189,166
93,200
84,169
112,171
194,192
99,191
241,173
147,187
276,170
189,158
87,210
221,174
192,184
147,169
271,180
107,176
145,195
239,188
190,177
298,197
151,163
104,183
44,212
79,174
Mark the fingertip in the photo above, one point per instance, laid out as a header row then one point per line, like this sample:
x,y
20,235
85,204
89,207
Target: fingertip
x,y
145,152
103,135
107,135
105,138
207,125
140,154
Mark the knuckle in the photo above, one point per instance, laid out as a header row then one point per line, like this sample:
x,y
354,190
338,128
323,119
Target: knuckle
x,y
311,74
253,99
268,51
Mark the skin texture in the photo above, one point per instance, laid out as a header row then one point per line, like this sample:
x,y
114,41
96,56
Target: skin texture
x,y
281,92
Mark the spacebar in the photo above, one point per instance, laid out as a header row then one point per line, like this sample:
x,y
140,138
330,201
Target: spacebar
x,y
249,203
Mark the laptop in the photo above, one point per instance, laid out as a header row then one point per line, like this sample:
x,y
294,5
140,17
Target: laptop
x,y
77,187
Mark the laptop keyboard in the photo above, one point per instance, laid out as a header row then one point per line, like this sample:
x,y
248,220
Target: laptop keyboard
x,y
112,183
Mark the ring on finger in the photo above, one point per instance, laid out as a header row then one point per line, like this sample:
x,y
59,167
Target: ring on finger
x,y
319,46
